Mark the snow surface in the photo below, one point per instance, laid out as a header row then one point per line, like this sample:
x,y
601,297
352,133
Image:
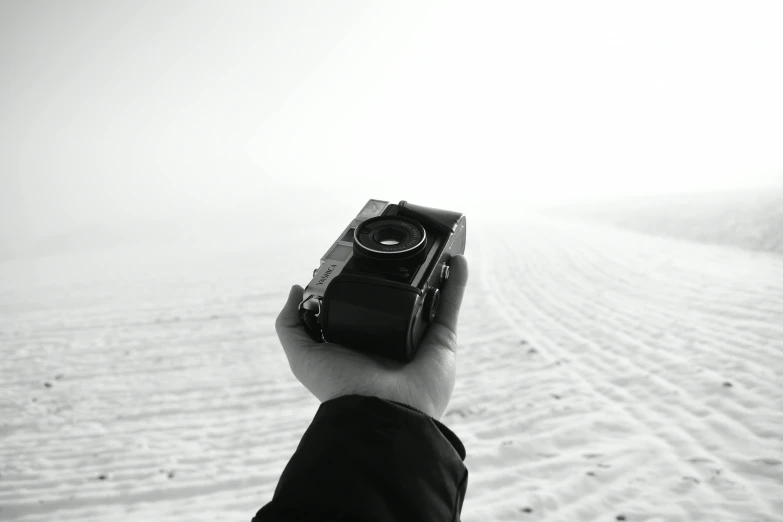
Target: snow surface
x,y
602,373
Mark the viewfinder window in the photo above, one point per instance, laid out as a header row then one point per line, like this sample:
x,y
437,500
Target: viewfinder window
x,y
340,253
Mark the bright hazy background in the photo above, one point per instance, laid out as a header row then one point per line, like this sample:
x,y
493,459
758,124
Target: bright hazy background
x,y
114,113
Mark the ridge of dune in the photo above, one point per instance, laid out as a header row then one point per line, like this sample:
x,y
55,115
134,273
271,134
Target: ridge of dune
x,y
751,219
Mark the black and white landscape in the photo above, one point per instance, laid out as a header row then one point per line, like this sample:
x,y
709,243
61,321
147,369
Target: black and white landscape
x,y
168,169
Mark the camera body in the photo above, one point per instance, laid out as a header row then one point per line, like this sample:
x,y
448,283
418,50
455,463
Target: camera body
x,y
378,286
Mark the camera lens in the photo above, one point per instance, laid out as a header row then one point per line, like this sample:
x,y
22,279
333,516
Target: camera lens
x,y
389,238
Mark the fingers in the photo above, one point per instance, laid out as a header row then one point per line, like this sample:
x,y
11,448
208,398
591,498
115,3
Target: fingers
x,y
290,331
451,294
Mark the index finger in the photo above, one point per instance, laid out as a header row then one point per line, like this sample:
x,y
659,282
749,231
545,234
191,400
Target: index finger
x,y
290,330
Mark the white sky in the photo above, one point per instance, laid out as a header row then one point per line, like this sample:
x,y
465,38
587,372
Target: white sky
x,y
113,113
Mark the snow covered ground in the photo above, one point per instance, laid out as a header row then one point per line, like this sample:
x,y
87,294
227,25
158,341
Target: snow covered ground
x,y
604,374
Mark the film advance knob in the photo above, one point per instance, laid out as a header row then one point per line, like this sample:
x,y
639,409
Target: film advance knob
x,y
431,302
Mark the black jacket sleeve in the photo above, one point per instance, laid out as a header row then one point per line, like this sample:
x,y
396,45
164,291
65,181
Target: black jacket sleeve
x,y
368,459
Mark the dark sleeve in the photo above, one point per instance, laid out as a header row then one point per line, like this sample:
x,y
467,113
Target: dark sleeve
x,y
368,459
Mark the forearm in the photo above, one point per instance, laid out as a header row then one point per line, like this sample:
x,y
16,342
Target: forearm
x,y
364,458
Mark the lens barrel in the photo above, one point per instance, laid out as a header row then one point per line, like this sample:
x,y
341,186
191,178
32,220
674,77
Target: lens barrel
x,y
390,239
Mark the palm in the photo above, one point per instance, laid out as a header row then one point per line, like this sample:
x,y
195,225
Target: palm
x,y
330,370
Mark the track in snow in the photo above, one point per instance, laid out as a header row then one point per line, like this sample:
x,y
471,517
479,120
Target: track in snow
x,y
632,375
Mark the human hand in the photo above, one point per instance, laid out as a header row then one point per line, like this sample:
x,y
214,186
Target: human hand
x,y
331,370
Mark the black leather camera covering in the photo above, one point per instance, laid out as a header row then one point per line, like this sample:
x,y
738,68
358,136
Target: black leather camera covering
x,y
375,314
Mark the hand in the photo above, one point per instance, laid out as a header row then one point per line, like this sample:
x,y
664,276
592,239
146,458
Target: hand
x,y
331,370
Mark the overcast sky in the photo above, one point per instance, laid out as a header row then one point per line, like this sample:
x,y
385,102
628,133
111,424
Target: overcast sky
x,y
114,112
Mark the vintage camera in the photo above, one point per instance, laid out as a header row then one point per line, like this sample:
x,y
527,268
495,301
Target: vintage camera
x,y
378,286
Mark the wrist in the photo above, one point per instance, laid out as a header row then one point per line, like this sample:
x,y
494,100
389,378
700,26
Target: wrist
x,y
413,405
